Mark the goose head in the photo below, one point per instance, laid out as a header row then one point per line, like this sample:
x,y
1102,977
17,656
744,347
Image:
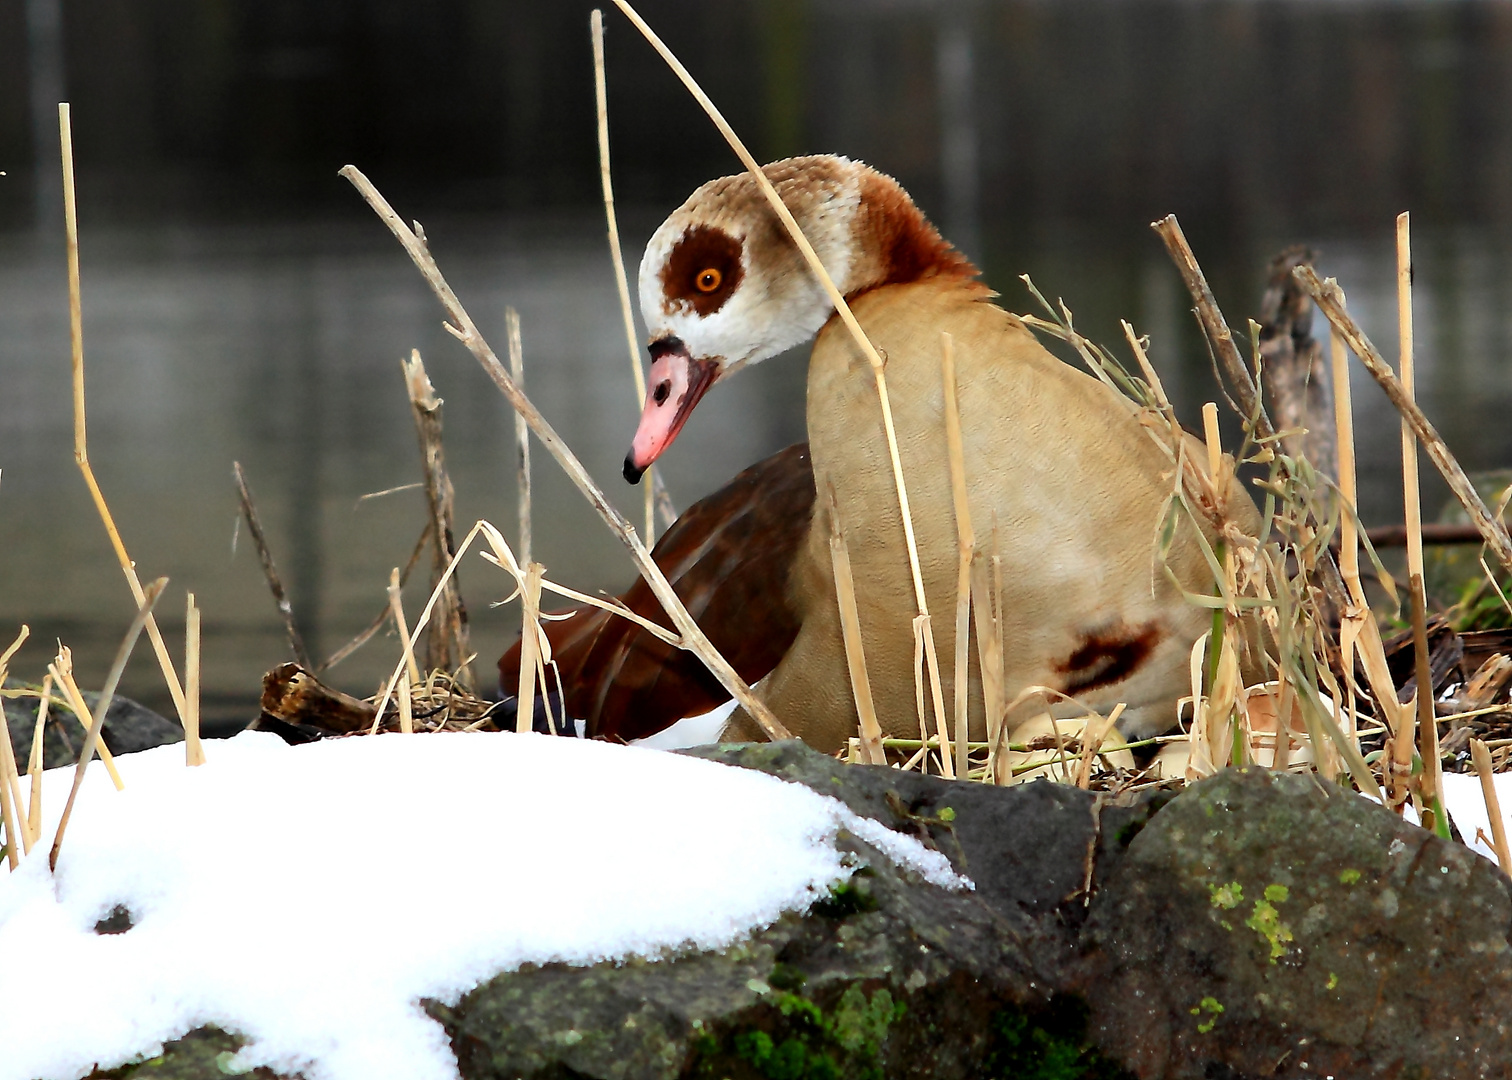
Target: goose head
x,y
722,285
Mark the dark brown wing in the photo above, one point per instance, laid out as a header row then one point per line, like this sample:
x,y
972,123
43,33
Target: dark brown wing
x,y
729,558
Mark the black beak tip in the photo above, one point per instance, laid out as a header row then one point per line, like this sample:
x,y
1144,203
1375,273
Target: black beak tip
x,y
631,473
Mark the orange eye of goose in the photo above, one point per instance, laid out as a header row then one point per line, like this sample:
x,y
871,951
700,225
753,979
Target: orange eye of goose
x,y
709,280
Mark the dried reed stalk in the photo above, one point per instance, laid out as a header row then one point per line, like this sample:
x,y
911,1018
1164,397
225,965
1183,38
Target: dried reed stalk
x,y
921,621
34,766
850,629
81,441
617,256
383,616
522,432
965,545
270,571
1481,756
61,669
1349,541
396,608
693,638
1330,300
107,694
1092,744
986,593
1214,324
531,671
1427,723
16,827
406,706
17,841
446,644
194,753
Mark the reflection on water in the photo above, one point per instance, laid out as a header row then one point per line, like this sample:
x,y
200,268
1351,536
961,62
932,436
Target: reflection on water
x,y
279,347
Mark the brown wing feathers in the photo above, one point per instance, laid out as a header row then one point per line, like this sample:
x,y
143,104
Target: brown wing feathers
x,y
729,558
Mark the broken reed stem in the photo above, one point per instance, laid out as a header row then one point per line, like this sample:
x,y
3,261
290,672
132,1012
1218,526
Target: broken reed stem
x,y
1482,759
1330,300
102,707
62,671
1413,518
924,630
1214,324
34,766
17,839
406,705
531,671
383,616
522,431
396,608
1349,541
270,572
81,442
965,545
1092,743
16,826
462,326
836,298
446,643
616,255
850,630
194,753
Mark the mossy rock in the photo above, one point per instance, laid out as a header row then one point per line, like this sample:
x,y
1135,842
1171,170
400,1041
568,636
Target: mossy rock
x,y
1278,925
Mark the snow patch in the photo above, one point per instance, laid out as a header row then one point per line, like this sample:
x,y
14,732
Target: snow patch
x,y
308,897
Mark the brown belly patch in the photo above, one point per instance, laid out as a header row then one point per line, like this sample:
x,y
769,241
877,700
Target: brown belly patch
x,y
1109,654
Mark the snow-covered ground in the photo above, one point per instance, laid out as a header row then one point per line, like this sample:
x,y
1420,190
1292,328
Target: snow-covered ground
x,y
309,896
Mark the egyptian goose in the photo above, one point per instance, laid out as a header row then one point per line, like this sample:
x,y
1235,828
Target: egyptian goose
x,y
1059,461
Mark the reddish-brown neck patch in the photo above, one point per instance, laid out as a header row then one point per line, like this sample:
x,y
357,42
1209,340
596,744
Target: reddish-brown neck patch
x,y
899,241
704,256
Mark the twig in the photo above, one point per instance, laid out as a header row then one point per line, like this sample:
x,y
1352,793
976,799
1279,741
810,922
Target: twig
x,y
850,628
81,441
383,616
107,693
1482,759
841,307
1213,322
617,256
275,583
446,645
194,753
467,332
522,432
965,543
1330,300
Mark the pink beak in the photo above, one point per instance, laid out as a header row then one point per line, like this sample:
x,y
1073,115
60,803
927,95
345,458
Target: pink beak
x,y
677,383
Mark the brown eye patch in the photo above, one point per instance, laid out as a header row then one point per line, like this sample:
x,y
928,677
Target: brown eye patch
x,y
702,271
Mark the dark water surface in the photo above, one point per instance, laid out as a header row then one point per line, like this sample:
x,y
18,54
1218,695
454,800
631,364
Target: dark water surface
x,y
279,346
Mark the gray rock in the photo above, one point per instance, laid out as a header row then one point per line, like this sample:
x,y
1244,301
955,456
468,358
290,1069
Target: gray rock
x,y
129,727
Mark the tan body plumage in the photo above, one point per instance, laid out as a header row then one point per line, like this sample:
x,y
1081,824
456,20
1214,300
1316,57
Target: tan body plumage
x,y
1059,466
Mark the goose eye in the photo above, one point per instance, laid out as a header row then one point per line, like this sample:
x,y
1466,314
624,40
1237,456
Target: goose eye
x,y
708,280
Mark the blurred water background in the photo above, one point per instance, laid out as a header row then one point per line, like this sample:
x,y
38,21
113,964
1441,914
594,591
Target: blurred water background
x,y
240,303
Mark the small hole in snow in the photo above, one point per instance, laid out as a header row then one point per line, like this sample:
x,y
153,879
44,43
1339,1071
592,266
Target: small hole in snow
x,y
117,922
